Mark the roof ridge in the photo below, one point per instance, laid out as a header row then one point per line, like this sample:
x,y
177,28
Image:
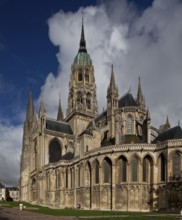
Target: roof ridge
x,y
59,122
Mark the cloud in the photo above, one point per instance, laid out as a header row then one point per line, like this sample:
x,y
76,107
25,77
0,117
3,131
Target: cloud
x,y
146,44
10,147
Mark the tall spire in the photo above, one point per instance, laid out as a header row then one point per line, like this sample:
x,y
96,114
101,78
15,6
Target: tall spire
x,y
112,80
31,119
167,122
41,109
140,98
30,108
60,116
82,39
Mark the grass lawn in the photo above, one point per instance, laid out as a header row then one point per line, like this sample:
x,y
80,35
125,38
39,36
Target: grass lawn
x,y
134,217
116,215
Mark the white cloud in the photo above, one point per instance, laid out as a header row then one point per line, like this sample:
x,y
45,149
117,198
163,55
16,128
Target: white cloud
x,y
10,148
146,45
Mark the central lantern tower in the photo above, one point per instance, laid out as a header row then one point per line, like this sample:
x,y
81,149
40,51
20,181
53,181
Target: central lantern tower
x,y
82,100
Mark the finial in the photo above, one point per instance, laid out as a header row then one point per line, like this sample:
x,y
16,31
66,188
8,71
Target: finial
x,y
129,90
82,17
82,39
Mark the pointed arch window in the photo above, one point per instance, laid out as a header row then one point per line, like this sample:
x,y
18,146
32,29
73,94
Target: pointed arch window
x,y
134,169
80,75
55,152
66,178
88,100
78,183
176,165
88,176
96,172
162,168
129,125
72,178
87,75
147,169
122,169
81,178
107,168
79,97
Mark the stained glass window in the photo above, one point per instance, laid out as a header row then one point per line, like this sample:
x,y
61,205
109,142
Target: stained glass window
x,y
66,178
176,165
134,169
96,172
129,125
122,166
55,153
162,167
107,170
78,176
145,170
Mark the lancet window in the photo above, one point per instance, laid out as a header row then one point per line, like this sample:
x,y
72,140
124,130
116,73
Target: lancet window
x,y
55,152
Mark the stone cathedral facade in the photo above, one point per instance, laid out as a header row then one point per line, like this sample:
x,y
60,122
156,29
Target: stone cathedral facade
x,y
114,160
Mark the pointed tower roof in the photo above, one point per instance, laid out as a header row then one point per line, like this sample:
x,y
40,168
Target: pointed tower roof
x,y
139,94
112,79
148,115
82,58
140,98
41,108
30,108
60,116
112,84
167,122
82,39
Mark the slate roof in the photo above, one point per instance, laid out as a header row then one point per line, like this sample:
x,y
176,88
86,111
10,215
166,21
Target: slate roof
x,y
68,156
170,134
59,126
1,185
97,119
128,139
101,116
127,100
108,142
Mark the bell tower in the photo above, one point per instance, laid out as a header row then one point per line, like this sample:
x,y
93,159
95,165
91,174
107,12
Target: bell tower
x,y
82,100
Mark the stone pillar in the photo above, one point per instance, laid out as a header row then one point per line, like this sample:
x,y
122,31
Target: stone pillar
x,y
113,187
75,184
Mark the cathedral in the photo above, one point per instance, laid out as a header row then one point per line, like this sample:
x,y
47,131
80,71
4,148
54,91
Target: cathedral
x,y
114,160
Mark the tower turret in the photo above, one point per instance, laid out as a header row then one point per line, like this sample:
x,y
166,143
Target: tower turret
x,y
60,116
140,97
112,102
82,100
42,116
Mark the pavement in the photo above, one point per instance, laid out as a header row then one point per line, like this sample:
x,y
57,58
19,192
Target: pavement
x,y
16,214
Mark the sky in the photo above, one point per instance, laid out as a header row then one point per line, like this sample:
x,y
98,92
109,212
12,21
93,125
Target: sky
x,y
38,43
